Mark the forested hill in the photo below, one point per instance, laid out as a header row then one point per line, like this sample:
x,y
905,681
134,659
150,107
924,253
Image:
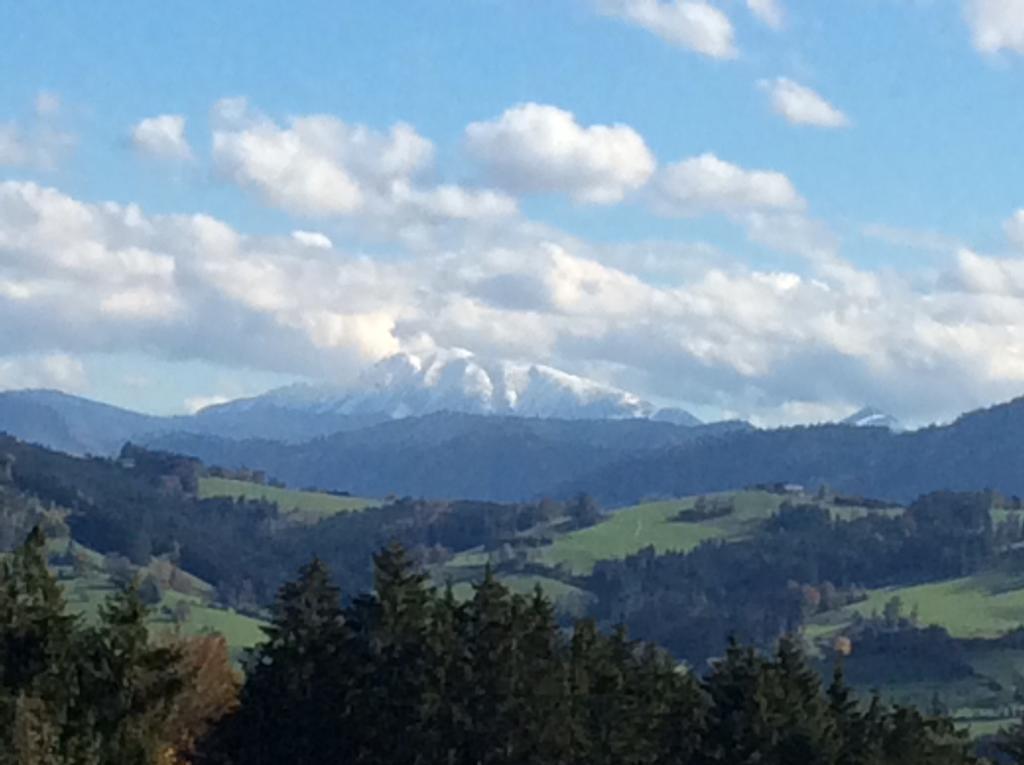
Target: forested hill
x,y
620,462
449,455
979,450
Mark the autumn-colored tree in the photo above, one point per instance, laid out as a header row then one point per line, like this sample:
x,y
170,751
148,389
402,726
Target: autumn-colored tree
x,y
210,692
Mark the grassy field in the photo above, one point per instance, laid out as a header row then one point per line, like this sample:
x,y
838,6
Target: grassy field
x,y
309,506
630,530
86,592
985,605
85,595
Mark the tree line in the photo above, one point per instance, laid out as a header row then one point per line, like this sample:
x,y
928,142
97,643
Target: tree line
x,y
408,674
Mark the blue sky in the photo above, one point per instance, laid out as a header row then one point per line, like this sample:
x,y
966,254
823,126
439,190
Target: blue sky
x,y
776,210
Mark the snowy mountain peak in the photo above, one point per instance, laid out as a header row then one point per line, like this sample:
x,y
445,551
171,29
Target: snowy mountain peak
x,y
406,385
871,417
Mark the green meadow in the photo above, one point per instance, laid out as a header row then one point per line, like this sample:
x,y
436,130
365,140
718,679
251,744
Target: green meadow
x,y
627,531
985,605
309,506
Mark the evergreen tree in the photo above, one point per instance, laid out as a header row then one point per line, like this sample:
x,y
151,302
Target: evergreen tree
x,y
492,637
295,687
129,685
37,646
445,710
392,627
542,712
805,731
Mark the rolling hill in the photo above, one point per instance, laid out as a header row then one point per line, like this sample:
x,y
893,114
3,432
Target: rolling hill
x,y
447,455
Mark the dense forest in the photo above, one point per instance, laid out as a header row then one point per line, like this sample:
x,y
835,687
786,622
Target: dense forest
x,y
408,674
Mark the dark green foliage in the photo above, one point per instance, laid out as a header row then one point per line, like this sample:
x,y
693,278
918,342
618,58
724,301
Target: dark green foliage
x,y
295,681
762,587
245,548
409,675
71,694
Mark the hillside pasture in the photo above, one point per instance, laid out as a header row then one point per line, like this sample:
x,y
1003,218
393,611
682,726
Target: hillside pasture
x,y
631,529
985,605
306,506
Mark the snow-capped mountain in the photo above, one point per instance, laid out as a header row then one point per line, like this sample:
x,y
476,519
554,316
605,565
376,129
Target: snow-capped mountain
x,y
406,385
870,417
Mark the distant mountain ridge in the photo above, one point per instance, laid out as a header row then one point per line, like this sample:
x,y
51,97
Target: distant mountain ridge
x,y
979,450
400,386
449,455
406,385
622,462
513,458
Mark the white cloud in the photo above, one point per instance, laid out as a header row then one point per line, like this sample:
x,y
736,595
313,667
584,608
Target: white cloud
x,y
1015,229
692,24
312,239
996,25
769,12
162,137
800,105
52,370
108,278
983,275
321,167
538,148
79,278
707,184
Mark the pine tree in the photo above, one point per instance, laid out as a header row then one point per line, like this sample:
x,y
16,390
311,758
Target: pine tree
x,y
294,699
740,725
35,630
129,685
584,658
37,683
446,716
392,629
542,700
493,629
805,730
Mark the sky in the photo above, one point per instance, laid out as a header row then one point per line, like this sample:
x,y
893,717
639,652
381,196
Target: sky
x,y
780,210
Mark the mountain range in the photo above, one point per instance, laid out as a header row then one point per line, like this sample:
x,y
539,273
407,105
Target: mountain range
x,y
458,426
406,385
398,387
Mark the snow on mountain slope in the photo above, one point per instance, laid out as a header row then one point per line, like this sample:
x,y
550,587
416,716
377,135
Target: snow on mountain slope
x,y
870,417
405,385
